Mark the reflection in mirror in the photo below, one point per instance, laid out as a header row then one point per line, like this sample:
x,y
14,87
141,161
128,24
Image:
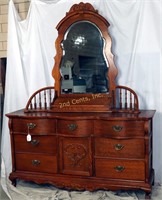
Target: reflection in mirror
x,y
83,67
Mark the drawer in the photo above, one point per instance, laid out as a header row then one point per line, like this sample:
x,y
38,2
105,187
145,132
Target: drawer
x,y
75,127
38,144
39,126
125,148
119,128
36,163
120,169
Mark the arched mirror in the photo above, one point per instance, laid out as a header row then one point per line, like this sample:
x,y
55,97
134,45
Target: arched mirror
x,y
84,71
84,68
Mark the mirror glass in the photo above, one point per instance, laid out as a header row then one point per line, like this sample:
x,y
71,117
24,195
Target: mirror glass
x,y
84,67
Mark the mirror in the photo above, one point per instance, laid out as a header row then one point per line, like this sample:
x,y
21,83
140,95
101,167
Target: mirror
x,y
84,71
83,66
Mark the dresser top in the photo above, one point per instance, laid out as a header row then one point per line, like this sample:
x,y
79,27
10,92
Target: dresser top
x,y
143,115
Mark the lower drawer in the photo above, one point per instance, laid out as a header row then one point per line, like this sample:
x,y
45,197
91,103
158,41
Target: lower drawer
x,y
36,163
120,169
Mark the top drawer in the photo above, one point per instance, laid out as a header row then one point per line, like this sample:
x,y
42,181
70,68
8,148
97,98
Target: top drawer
x,y
119,128
75,127
39,126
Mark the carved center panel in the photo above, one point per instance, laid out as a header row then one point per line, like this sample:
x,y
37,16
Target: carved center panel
x,y
75,153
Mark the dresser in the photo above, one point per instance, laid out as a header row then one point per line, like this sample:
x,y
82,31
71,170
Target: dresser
x,y
85,132
83,151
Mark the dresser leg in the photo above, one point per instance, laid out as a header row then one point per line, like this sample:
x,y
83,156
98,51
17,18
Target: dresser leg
x,y
14,182
148,195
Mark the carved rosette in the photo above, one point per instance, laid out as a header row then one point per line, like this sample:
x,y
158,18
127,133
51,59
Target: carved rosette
x,y
75,153
82,7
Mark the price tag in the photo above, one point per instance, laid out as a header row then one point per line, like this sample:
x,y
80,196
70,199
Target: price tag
x,y
28,138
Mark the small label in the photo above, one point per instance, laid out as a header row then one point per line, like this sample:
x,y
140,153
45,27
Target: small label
x,y
28,138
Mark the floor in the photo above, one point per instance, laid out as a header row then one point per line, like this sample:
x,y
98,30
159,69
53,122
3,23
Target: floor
x,y
3,195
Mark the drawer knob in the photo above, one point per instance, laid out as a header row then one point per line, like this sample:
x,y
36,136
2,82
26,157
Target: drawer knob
x,y
31,125
119,168
34,142
118,147
35,162
72,127
117,128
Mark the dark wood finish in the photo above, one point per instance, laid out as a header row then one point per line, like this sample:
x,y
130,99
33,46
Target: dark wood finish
x,y
125,100
39,143
83,150
40,100
98,102
117,99
83,141
126,147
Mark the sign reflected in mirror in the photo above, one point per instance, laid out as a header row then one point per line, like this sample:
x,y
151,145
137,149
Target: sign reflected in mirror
x,y
83,67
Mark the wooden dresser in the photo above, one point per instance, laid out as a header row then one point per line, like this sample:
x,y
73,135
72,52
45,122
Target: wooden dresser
x,y
85,132
83,150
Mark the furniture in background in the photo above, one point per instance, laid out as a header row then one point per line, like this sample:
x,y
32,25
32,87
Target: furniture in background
x,y
3,63
86,132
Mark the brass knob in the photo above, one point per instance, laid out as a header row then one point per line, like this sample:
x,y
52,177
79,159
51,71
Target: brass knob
x,y
34,142
31,125
117,128
118,147
72,127
35,162
119,168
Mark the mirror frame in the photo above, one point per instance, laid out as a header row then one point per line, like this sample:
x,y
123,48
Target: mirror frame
x,y
83,102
